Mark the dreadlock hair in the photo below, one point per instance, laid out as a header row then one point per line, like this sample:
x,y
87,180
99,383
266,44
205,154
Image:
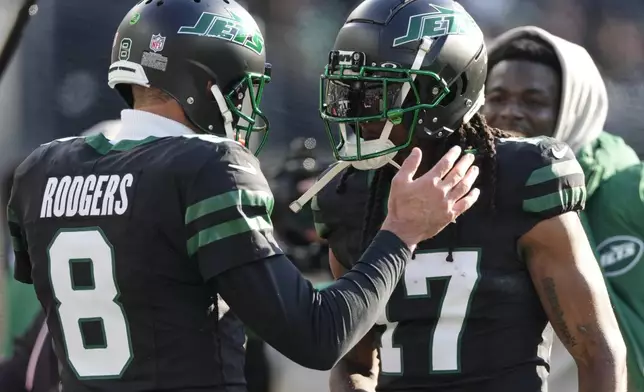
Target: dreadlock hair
x,y
530,48
475,135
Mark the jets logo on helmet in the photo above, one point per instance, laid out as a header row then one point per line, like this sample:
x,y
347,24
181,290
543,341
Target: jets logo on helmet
x,y
442,21
234,29
213,64
436,85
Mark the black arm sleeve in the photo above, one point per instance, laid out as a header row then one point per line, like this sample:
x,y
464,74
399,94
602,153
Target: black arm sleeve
x,y
315,328
22,270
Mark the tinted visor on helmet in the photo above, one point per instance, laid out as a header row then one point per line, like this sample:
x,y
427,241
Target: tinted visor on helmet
x,y
349,99
352,93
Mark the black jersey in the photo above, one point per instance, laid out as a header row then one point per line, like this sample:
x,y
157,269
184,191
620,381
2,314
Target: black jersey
x,y
474,323
119,242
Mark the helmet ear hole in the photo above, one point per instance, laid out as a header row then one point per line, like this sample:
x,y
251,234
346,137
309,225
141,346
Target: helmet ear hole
x,y
464,83
459,87
451,96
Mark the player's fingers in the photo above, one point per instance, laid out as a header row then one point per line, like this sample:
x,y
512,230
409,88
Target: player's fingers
x,y
465,203
460,189
409,167
454,177
445,164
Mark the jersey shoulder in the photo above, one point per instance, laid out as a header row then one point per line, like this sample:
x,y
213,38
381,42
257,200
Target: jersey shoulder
x,y
228,204
45,160
202,147
223,161
45,154
539,176
208,142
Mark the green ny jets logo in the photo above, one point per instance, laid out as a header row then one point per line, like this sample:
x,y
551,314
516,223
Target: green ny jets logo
x,y
229,28
441,21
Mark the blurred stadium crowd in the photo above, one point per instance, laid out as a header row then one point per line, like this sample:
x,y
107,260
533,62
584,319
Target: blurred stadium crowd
x,y
55,86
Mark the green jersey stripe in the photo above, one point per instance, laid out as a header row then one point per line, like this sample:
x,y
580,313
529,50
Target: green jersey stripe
x,y
227,229
238,197
564,197
554,171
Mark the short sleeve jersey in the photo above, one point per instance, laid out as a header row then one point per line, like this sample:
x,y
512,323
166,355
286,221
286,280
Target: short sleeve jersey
x,y
474,323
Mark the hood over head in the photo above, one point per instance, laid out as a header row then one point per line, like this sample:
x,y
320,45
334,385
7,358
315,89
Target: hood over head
x,y
584,100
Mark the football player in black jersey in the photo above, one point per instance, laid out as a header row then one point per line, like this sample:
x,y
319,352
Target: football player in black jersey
x,y
471,311
132,242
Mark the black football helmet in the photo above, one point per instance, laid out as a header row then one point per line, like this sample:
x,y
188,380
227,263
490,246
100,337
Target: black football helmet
x,y
208,55
420,63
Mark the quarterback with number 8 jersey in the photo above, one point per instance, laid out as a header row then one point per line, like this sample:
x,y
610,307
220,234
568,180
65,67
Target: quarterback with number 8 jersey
x,y
472,310
139,243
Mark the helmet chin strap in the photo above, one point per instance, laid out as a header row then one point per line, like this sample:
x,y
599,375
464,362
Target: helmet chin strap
x,y
226,114
366,146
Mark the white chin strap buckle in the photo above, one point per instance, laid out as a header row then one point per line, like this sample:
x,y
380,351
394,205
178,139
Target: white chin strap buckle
x,y
366,147
369,147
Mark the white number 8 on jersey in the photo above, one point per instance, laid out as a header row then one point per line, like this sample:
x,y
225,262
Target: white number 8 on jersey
x,y
94,303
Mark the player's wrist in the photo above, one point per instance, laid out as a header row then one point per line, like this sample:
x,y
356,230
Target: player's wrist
x,y
402,232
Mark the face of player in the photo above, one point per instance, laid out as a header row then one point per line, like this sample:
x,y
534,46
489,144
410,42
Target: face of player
x,y
372,131
399,135
523,96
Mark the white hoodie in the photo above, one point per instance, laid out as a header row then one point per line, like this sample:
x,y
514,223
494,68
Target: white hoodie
x,y
584,101
582,115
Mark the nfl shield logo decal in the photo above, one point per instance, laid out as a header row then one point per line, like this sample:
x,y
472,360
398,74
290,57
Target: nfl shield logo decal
x,y
157,42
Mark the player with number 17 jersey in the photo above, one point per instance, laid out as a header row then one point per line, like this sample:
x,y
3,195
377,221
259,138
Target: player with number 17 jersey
x,y
466,306
472,309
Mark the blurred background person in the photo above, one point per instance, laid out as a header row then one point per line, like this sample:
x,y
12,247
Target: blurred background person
x,y
542,85
617,224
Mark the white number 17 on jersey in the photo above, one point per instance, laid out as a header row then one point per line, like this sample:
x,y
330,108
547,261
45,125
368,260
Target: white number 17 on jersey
x,y
445,340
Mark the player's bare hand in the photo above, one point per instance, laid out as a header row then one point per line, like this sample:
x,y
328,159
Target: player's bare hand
x,y
419,209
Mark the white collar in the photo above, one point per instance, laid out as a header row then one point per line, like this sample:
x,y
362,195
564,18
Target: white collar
x,y
138,125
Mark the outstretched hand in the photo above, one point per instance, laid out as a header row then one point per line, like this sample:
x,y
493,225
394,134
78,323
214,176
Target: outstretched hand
x,y
420,208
